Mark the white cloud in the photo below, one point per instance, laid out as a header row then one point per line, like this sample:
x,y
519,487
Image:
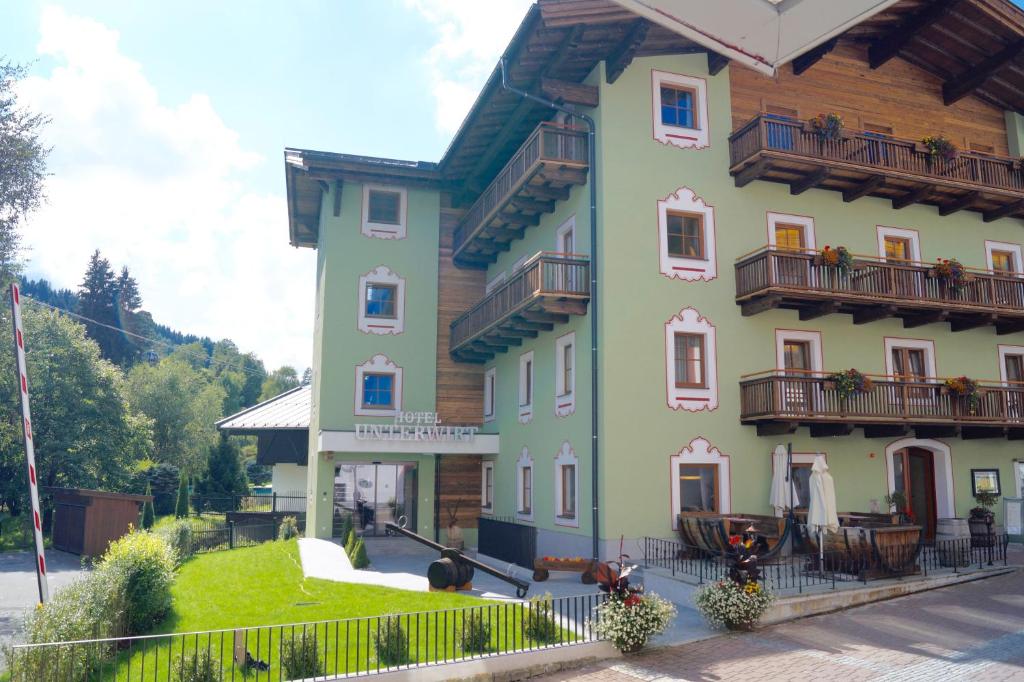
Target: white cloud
x,y
471,35
157,187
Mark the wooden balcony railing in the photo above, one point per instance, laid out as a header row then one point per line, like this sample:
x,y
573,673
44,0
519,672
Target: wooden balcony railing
x,y
874,288
544,292
861,163
788,398
541,172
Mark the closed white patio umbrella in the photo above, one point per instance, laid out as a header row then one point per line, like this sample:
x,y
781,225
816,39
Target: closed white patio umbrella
x,y
782,496
821,509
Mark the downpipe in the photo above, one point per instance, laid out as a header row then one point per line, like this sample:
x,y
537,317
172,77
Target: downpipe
x,y
592,181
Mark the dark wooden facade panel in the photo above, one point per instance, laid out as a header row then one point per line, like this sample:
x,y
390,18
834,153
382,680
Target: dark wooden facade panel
x,y
460,484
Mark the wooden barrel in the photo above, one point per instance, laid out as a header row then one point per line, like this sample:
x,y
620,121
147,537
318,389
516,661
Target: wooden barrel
x,y
443,573
953,542
897,548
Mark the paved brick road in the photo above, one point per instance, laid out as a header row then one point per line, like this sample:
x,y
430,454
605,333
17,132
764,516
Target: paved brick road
x,y
973,631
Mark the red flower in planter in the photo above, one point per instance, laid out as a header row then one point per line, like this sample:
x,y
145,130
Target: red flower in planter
x,y
734,540
633,600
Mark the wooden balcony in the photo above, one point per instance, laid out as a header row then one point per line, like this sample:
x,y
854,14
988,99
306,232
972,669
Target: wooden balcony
x,y
541,173
546,291
861,164
874,289
779,401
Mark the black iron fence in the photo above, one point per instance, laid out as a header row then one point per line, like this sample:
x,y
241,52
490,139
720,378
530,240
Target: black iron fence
x,y
800,571
272,503
505,539
356,646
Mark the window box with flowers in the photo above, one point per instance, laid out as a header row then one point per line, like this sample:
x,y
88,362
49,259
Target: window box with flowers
x,y
848,382
964,388
826,127
938,147
839,258
952,274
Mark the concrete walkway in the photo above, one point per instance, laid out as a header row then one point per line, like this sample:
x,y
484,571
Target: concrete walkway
x,y
19,591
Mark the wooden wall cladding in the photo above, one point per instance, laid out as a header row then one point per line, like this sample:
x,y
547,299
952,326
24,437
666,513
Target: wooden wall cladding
x,y
460,385
898,95
460,481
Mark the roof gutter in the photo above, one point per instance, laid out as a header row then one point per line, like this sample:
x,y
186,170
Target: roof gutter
x,y
592,182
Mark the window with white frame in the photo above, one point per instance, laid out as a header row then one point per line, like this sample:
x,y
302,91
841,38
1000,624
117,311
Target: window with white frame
x,y
691,362
487,487
565,237
384,212
526,387
1011,372
565,375
490,394
798,355
791,232
686,237
899,245
911,361
700,476
680,110
1004,258
566,487
381,302
378,391
524,486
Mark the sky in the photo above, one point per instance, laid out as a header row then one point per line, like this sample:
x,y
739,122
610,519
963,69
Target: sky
x,y
169,121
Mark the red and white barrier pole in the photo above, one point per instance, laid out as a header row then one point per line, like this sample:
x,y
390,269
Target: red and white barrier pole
x,y
30,455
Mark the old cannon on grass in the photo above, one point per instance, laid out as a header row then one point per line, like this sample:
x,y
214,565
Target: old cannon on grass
x,y
454,570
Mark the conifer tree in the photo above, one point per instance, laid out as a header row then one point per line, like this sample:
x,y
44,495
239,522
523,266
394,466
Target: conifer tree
x,y
181,508
224,479
96,301
148,515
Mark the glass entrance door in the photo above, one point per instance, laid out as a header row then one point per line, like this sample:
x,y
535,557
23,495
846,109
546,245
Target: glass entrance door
x,y
375,495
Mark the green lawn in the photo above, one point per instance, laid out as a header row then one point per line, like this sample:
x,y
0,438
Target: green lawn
x,y
264,585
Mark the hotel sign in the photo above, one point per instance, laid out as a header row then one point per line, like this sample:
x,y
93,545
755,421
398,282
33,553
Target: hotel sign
x,y
424,427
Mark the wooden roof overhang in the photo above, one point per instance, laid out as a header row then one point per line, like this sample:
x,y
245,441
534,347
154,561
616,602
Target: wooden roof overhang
x,y
309,174
975,46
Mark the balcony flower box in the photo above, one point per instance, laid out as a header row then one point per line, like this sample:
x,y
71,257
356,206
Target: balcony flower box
x,y
543,566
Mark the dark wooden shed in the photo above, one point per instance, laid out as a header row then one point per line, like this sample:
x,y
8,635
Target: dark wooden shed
x,y
86,521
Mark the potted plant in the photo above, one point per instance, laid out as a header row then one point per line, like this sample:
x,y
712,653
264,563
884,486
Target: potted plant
x,y
938,147
738,602
827,127
848,382
455,539
965,389
839,258
629,617
982,520
952,273
897,503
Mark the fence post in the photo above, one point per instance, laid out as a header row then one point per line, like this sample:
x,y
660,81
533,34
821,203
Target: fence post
x,y
273,502
231,534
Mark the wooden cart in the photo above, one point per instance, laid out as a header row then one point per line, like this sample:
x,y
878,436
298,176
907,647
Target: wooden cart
x,y
543,566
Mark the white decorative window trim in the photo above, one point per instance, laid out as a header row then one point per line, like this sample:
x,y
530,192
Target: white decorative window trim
x,y
495,282
923,344
382,325
378,364
525,409
942,462
813,338
385,230
565,396
1003,352
567,457
911,235
684,138
686,200
1018,260
804,221
490,393
700,451
484,468
569,226
690,321
524,461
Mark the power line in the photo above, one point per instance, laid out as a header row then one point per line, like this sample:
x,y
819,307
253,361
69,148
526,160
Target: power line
x,y
175,347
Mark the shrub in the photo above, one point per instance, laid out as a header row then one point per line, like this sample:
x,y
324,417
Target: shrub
x,y
538,621
359,558
392,643
300,656
476,632
199,667
179,536
345,528
224,480
737,607
163,480
141,567
84,609
630,621
181,506
148,515
350,542
289,528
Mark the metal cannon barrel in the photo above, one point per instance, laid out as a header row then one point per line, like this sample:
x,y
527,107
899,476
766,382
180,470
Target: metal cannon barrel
x,y
456,557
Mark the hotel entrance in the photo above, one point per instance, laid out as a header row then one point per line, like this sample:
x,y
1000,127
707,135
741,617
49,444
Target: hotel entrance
x,y
914,476
376,494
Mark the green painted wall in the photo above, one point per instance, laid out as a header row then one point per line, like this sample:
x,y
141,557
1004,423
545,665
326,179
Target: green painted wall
x,y
640,431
